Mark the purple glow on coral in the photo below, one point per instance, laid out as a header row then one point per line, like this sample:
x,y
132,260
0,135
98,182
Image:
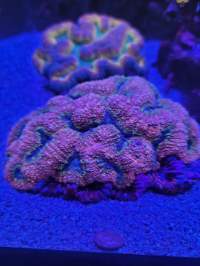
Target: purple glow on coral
x,y
95,47
114,138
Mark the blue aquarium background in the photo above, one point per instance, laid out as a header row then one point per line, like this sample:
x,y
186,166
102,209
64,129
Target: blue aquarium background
x,y
152,225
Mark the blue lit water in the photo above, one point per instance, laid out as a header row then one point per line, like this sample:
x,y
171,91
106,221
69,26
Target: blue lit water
x,y
155,224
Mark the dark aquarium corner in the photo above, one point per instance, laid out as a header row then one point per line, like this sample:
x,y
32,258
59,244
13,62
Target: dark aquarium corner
x,y
99,132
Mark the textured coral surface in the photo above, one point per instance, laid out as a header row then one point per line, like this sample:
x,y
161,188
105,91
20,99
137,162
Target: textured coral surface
x,y
96,47
117,142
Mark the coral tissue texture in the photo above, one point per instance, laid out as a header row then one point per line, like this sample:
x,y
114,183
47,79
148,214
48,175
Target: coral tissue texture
x,y
113,138
95,47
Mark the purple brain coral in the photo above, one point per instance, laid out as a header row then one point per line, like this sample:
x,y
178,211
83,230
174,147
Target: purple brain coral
x,y
113,138
96,47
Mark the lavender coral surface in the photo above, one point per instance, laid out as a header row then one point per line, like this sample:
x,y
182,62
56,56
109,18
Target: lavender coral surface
x,y
110,138
96,47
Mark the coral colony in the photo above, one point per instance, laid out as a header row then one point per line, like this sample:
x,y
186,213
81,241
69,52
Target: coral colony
x,y
113,138
181,54
95,47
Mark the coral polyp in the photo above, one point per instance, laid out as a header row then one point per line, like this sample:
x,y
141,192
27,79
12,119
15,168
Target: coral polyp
x,y
113,138
97,46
